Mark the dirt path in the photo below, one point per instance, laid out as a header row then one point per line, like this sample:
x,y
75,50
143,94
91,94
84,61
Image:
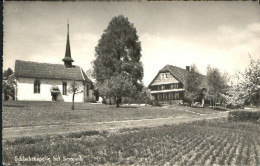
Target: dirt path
x,y
14,132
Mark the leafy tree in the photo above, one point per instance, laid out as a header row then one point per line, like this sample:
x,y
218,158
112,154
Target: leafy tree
x,y
252,81
247,86
74,88
217,82
9,87
145,95
236,95
118,55
192,85
7,73
117,86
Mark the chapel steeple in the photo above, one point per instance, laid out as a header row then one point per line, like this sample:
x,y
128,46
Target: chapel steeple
x,y
67,59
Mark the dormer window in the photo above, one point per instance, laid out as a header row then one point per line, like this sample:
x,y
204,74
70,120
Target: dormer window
x,y
164,76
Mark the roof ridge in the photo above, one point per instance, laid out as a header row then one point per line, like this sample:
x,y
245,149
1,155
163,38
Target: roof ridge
x,y
47,70
81,71
173,66
45,63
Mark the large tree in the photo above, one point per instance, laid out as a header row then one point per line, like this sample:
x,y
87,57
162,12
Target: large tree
x,y
192,85
217,82
9,87
118,55
7,73
246,89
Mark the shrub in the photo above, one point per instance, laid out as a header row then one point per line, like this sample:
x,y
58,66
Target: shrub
x,y
104,100
125,100
235,106
219,108
83,133
155,103
23,141
93,100
243,116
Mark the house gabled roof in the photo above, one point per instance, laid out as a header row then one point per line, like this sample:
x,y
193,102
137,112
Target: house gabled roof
x,y
50,71
180,74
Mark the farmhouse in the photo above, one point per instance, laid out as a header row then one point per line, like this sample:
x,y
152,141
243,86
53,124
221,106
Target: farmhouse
x,y
168,85
46,82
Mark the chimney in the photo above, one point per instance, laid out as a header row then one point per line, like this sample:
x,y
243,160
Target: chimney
x,y
188,68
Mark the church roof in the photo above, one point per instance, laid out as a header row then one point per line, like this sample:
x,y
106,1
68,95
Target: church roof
x,y
50,71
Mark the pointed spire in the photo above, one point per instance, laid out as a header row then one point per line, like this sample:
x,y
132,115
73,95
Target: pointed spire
x,y
67,59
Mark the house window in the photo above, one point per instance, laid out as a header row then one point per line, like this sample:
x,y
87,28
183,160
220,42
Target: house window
x,y
176,96
171,96
162,87
165,96
159,96
174,86
37,86
164,76
64,88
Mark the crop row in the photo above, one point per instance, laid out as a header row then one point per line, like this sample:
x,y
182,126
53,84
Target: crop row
x,y
200,143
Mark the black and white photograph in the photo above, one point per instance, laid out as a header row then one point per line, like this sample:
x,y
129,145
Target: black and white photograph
x,y
131,83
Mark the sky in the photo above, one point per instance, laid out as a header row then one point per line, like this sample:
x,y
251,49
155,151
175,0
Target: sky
x,y
220,34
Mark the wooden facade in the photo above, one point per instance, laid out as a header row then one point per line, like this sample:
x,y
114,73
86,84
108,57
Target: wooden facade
x,y
168,85
166,88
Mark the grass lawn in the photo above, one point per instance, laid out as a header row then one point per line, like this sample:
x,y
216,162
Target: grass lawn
x,y
199,143
28,113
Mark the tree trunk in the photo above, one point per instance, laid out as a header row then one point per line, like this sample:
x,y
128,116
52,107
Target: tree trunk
x,y
110,101
117,102
73,100
5,96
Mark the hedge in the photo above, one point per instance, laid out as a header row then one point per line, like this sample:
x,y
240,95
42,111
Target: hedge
x,y
243,116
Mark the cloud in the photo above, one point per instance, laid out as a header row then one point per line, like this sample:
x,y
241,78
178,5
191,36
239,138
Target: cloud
x,y
226,49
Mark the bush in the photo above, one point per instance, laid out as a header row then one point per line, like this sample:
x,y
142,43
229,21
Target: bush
x,y
234,106
154,103
243,116
23,141
93,100
219,108
104,100
125,100
83,133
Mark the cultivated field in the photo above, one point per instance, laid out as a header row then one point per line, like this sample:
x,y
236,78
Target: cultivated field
x,y
22,113
198,143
